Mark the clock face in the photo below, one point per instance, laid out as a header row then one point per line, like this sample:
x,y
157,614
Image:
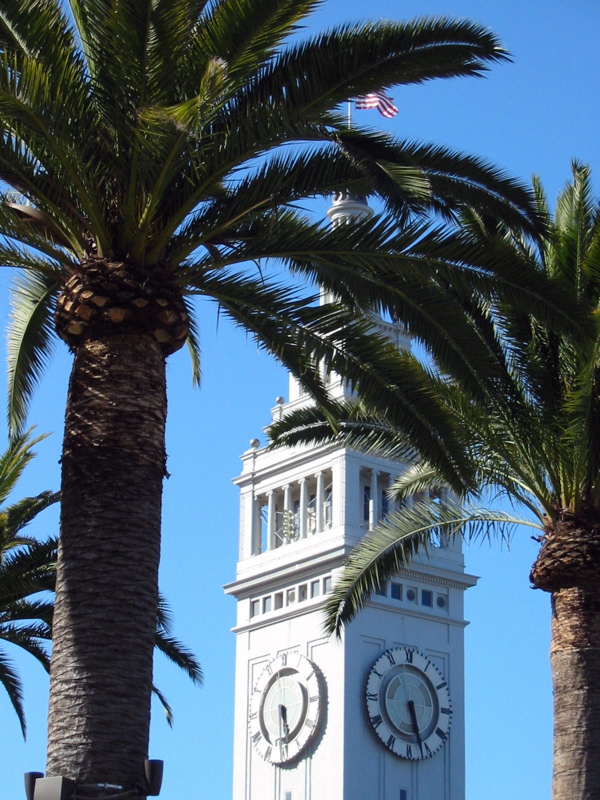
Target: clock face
x,y
408,703
285,708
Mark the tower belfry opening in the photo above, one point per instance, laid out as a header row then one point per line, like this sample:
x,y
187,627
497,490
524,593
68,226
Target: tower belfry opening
x,y
379,714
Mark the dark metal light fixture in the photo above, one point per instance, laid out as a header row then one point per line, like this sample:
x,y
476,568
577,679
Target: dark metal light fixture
x,y
153,769
30,779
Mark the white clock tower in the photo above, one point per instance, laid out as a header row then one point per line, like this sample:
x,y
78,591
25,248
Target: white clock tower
x,y
379,714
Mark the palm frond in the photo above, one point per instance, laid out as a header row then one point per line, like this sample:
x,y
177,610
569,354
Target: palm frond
x,y
389,548
193,345
15,458
248,33
456,180
164,703
30,340
29,609
173,649
29,638
416,481
352,60
10,680
180,655
15,517
347,423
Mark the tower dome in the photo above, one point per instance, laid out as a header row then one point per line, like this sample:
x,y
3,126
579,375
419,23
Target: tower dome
x,y
348,208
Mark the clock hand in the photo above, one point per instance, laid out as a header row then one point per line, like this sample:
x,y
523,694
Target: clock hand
x,y
284,723
415,724
282,730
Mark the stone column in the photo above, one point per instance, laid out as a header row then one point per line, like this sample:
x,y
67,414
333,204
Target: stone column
x,y
374,501
287,523
254,528
391,501
271,522
303,508
319,502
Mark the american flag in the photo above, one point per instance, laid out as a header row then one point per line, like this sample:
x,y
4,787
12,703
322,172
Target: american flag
x,y
380,101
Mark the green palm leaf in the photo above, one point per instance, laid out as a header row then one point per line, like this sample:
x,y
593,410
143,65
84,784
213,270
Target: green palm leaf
x,y
11,682
390,547
30,340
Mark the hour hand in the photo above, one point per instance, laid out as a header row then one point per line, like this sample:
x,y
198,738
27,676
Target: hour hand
x,y
284,722
415,724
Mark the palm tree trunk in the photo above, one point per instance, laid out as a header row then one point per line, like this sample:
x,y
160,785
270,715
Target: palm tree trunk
x,y
575,661
113,465
568,566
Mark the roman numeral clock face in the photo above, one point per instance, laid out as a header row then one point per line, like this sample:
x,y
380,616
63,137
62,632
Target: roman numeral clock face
x,y
285,708
408,703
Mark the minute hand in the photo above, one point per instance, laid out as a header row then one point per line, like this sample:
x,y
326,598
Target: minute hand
x,y
284,722
415,724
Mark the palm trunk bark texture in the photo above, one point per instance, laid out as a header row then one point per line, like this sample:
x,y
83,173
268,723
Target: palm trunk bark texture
x,y
568,566
113,466
575,662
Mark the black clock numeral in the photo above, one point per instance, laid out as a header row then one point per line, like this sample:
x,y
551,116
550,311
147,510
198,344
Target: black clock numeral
x,y
269,669
409,655
376,720
391,742
390,656
310,674
313,698
372,696
256,737
441,734
441,685
408,751
253,715
284,659
374,672
268,753
310,723
428,750
444,710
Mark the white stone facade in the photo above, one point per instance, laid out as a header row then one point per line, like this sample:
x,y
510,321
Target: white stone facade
x,y
316,503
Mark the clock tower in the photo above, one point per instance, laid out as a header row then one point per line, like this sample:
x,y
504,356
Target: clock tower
x,y
378,714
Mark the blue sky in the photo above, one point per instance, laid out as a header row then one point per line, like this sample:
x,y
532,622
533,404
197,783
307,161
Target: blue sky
x,y
531,116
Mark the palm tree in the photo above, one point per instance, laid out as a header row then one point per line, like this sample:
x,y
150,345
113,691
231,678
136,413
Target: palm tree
x,y
533,437
28,575
146,149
